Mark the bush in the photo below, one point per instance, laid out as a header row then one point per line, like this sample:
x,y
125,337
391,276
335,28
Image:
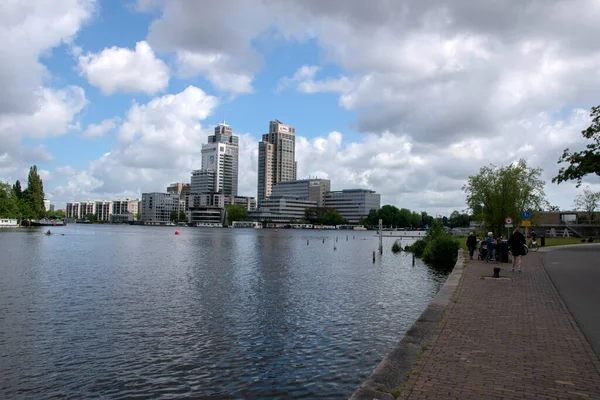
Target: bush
x,y
417,247
441,251
439,248
396,248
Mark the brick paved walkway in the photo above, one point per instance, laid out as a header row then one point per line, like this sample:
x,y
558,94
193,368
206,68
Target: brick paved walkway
x,y
506,339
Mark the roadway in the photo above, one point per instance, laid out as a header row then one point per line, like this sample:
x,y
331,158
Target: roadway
x,y
575,273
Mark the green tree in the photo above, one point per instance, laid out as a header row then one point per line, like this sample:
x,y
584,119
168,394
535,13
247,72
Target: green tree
x,y
56,214
9,205
174,216
458,219
415,219
17,189
91,217
236,212
389,215
498,192
33,196
182,217
315,215
333,217
587,202
138,216
582,163
373,218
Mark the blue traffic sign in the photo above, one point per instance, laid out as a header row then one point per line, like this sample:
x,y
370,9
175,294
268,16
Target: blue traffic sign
x,y
525,215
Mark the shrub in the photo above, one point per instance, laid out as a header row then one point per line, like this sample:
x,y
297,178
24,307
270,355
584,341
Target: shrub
x,y
396,248
439,248
417,247
441,251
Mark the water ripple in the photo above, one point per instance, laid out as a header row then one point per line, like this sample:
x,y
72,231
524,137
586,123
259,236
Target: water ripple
x,y
135,312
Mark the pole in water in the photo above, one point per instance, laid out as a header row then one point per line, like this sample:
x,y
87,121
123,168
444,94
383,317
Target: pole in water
x,y
336,238
323,240
413,260
346,238
307,242
373,256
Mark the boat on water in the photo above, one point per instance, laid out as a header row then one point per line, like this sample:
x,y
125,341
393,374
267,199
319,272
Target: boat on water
x,y
47,222
8,223
360,228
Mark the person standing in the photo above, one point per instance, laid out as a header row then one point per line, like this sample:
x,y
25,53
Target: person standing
x,y
517,245
471,244
490,244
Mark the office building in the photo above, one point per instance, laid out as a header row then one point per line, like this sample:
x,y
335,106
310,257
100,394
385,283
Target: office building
x,y
276,158
203,181
221,155
353,204
179,188
306,189
157,207
47,205
282,209
124,211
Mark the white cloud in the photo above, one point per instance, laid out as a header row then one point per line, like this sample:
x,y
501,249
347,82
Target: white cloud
x,y
158,143
28,109
118,69
99,130
28,30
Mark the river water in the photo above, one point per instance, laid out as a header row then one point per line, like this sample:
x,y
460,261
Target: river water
x,y
138,312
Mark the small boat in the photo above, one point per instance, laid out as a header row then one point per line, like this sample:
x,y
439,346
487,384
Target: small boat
x,y
8,223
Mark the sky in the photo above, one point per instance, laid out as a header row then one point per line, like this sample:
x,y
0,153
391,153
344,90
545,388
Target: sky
x,y
114,98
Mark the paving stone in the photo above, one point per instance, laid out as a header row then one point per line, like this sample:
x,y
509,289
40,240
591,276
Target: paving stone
x,y
508,339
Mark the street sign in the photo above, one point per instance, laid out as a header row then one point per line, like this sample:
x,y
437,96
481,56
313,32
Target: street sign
x,y
508,225
525,215
508,220
526,223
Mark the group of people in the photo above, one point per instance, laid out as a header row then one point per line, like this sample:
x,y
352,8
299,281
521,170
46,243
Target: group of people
x,y
489,245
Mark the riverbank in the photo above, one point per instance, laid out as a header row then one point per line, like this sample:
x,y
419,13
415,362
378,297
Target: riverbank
x,y
501,338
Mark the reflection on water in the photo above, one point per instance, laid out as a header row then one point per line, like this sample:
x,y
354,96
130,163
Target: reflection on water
x,y
123,311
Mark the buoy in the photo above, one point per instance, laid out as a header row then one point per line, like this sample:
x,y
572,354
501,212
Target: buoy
x,y
275,230
177,232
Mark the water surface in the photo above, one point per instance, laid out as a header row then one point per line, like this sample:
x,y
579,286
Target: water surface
x,y
138,312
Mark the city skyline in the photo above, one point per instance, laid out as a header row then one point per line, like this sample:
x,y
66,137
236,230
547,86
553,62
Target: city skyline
x,y
114,99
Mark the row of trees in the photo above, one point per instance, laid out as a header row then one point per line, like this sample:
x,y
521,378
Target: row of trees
x,y
405,218
16,202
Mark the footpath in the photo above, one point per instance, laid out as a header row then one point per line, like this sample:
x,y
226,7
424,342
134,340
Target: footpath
x,y
507,338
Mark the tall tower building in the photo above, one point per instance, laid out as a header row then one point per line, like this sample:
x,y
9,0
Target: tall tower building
x,y
221,155
276,158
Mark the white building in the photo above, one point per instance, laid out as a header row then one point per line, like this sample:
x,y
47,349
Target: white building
x,y
157,207
221,155
47,205
79,209
276,158
104,209
353,204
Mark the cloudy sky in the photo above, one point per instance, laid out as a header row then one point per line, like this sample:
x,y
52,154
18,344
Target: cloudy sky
x,y
114,98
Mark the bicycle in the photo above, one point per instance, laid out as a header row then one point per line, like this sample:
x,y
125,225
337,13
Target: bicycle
x,y
533,246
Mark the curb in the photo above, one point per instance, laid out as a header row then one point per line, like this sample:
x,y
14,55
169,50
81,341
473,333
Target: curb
x,y
395,368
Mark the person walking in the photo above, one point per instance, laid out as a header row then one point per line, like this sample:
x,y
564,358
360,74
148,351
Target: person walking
x,y
471,244
517,245
490,244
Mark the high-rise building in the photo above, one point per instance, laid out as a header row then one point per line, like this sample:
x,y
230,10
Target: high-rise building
x,y
276,158
221,155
